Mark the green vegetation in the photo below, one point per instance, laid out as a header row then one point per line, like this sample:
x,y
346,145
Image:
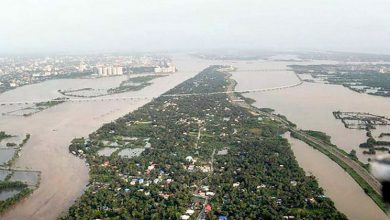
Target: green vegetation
x,y
142,69
250,101
384,135
48,104
372,145
10,144
11,162
40,106
267,110
66,92
25,140
286,120
353,156
258,178
363,184
6,79
5,186
71,75
4,135
319,135
134,84
143,79
131,84
370,79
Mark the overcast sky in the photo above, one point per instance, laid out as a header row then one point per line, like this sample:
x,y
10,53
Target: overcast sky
x,y
40,26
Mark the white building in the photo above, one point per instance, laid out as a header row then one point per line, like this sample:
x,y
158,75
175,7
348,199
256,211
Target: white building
x,y
82,66
169,69
184,217
119,70
109,71
100,71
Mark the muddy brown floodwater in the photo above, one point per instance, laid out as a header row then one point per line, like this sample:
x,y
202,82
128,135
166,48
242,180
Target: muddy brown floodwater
x,y
348,196
64,176
310,106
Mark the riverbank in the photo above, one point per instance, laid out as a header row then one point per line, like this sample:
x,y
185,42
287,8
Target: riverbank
x,y
251,167
347,195
63,176
256,77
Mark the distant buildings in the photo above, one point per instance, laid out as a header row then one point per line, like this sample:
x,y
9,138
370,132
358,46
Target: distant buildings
x,y
168,69
108,71
82,66
20,71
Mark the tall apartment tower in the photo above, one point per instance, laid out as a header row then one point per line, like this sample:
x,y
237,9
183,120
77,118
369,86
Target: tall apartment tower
x,y
119,70
100,70
104,71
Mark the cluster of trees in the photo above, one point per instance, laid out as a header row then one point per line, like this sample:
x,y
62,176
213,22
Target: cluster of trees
x,y
141,69
372,145
133,84
48,104
4,135
345,75
7,185
256,155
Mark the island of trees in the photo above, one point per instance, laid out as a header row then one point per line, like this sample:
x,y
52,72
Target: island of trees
x,y
373,79
207,158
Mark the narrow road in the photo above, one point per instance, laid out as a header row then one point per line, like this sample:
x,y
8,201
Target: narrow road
x,y
198,137
202,214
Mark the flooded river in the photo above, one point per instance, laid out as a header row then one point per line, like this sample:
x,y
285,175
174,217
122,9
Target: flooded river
x,y
310,106
65,176
347,195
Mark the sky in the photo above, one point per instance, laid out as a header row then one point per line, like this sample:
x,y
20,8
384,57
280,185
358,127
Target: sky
x,y
91,26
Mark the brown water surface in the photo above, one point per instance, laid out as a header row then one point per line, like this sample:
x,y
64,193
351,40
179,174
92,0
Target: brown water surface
x,y
65,176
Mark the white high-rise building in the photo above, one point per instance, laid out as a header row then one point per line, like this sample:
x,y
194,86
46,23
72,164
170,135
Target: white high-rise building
x,y
100,70
169,69
104,71
119,70
82,66
158,70
109,71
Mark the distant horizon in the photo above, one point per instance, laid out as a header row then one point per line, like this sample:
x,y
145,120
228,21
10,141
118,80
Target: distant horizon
x,y
91,26
253,52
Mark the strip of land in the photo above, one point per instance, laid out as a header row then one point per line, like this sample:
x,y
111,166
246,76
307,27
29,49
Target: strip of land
x,y
358,172
208,157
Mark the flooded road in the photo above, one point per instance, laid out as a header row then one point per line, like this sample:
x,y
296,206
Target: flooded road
x,y
64,176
